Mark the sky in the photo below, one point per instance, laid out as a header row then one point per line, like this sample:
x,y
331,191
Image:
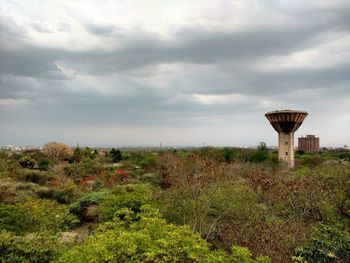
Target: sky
x,y
141,73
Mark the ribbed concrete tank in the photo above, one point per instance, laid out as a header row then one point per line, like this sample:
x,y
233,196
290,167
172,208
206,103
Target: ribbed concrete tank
x,y
286,122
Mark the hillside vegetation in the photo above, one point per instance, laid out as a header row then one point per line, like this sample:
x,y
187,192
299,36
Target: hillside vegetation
x,y
201,205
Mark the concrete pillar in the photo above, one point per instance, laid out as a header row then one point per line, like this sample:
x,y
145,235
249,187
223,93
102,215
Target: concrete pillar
x,y
286,148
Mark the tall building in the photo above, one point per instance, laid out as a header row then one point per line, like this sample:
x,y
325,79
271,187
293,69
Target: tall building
x,y
286,122
310,143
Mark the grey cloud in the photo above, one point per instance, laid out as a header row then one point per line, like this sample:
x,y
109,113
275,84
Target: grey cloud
x,y
63,27
41,27
51,101
279,82
104,30
208,63
207,47
32,62
197,46
10,31
334,16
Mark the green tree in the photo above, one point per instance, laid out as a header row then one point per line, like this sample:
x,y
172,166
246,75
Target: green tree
x,y
116,155
262,147
77,155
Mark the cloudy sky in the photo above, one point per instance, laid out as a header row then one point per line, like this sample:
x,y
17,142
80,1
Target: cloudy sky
x,y
178,72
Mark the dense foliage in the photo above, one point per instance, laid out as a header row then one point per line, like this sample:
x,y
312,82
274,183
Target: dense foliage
x,y
199,205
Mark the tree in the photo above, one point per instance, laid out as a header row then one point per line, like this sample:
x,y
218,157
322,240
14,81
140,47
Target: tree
x,y
262,153
262,147
57,151
77,155
116,155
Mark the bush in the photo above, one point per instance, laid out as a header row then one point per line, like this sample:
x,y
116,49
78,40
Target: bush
x,y
63,194
148,161
327,245
94,198
78,171
311,160
345,156
45,164
35,176
36,215
259,156
228,154
13,218
148,239
27,162
40,247
128,196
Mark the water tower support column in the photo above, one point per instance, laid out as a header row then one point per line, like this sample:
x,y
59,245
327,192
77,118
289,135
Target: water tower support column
x,y
286,148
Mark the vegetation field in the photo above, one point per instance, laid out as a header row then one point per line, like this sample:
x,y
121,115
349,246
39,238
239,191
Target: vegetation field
x,y
201,205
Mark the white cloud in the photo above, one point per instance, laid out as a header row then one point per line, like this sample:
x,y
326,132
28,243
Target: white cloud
x,y
13,103
219,99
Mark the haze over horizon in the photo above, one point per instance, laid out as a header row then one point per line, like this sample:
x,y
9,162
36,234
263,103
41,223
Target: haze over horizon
x,y
182,73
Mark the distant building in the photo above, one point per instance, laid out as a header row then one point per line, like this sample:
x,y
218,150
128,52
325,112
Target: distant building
x,y
310,143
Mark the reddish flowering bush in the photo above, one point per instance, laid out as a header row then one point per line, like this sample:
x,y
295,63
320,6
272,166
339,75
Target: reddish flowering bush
x,y
123,175
86,179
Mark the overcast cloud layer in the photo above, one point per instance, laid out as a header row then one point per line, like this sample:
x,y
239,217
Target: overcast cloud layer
x,y
178,72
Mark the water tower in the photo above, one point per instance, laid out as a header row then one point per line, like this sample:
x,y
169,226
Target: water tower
x,y
286,122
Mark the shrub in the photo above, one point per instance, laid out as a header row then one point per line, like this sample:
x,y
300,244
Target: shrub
x,y
228,154
128,196
36,215
78,171
13,218
49,215
259,156
62,193
148,239
327,245
345,156
35,176
94,198
45,164
148,160
311,160
40,247
27,162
